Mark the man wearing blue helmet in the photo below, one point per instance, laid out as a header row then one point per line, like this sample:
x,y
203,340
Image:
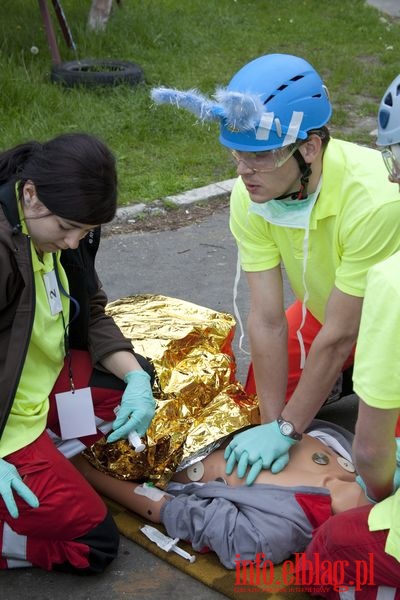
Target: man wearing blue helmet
x,y
374,530
321,208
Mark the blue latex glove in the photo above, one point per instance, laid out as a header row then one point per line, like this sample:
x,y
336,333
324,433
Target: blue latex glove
x,y
137,406
10,480
396,478
261,447
362,485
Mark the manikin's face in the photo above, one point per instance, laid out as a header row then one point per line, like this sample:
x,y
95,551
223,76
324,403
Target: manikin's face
x,y
49,233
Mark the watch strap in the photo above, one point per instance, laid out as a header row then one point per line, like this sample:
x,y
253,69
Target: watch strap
x,y
294,435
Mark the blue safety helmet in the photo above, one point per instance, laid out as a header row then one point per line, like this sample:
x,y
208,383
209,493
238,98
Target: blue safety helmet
x,y
389,116
295,100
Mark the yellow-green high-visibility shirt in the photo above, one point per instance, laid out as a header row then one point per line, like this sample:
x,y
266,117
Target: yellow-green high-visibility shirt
x,y
43,363
386,515
354,224
376,374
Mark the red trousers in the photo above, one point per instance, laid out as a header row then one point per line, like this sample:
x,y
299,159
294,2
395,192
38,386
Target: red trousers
x,y
309,331
357,560
72,528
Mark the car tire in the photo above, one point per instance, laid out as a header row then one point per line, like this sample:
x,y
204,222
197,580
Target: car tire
x,y
95,72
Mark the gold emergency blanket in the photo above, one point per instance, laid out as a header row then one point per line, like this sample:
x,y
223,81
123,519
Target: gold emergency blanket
x,y
198,398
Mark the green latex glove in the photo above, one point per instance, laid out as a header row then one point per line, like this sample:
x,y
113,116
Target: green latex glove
x,y
261,447
10,481
137,407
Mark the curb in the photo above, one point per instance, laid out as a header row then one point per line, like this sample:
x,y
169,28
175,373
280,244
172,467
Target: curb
x,y
390,7
213,191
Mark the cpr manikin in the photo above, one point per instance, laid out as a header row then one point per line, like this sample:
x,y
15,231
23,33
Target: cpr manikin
x,y
215,510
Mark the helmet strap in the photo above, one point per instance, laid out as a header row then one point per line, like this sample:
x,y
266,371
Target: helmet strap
x,y
305,171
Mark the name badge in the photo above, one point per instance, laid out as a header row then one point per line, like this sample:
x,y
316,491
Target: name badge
x,y
76,413
53,293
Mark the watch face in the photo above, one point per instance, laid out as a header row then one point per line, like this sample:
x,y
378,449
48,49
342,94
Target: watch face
x,y
286,428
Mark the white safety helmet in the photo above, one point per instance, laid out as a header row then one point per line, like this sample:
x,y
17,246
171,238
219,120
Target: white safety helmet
x,y
389,116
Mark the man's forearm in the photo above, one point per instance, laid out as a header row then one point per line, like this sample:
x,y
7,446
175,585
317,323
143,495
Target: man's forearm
x,y
378,477
374,449
269,357
322,368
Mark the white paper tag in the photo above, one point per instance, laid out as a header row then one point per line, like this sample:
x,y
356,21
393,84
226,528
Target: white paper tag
x,y
76,413
53,293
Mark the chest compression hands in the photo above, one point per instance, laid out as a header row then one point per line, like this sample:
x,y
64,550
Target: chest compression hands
x,y
261,447
10,480
137,406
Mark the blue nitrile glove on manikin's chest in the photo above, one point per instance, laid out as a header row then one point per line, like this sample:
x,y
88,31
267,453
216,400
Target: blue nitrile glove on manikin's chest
x,y
10,480
137,406
261,447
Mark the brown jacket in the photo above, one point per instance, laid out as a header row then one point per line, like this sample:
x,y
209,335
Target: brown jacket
x,y
92,330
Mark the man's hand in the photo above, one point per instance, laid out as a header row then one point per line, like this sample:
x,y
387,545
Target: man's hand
x,y
396,478
261,447
362,485
10,480
137,406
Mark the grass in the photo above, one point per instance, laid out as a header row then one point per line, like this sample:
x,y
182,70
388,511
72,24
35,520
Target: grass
x,y
186,44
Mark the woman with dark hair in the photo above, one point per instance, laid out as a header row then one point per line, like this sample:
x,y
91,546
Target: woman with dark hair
x,y
64,364
74,176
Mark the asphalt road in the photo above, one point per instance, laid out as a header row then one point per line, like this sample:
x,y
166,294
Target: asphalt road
x,y
196,263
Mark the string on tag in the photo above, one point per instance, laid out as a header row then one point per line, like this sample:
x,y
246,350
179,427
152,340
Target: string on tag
x,y
75,303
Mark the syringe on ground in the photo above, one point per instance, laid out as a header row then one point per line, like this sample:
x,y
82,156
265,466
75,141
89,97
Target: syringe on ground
x,y
165,542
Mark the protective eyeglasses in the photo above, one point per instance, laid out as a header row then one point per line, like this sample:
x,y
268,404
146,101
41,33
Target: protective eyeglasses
x,y
391,158
266,161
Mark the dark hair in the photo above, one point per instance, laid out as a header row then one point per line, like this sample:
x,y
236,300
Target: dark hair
x,y
324,133
74,175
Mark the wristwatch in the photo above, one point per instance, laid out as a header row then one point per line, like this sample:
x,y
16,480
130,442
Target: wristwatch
x,y
287,428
